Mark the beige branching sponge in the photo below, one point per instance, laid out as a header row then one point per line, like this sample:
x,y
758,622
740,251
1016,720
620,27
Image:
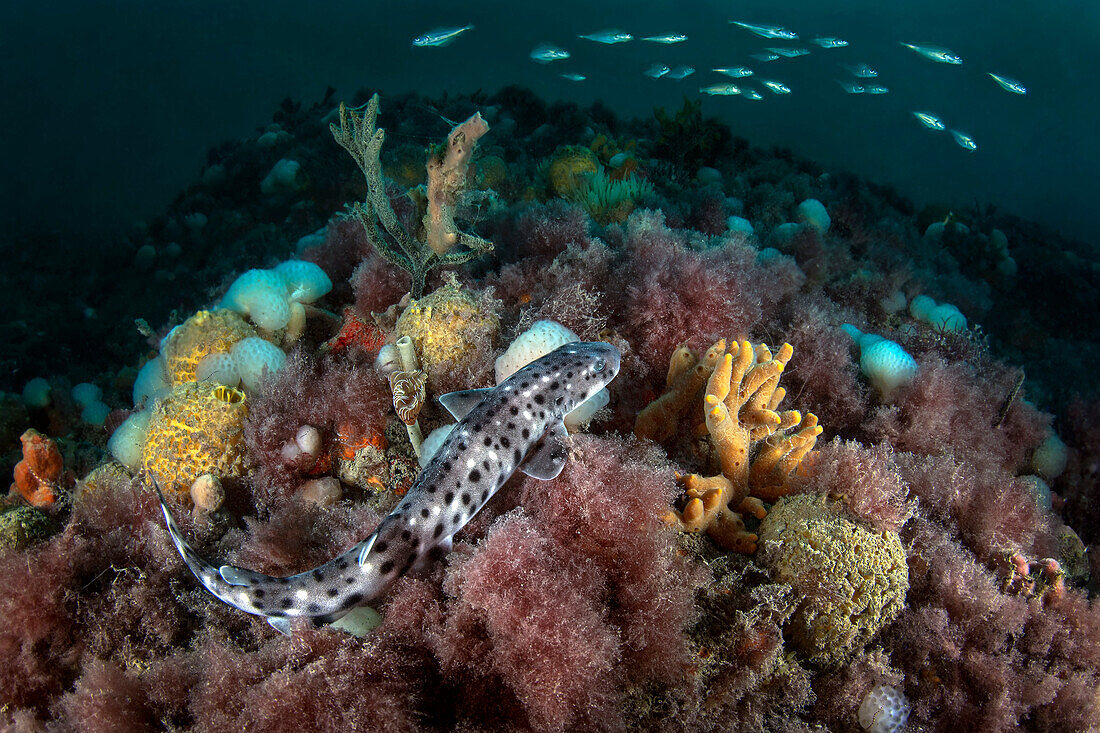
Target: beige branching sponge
x,y
758,447
687,375
434,244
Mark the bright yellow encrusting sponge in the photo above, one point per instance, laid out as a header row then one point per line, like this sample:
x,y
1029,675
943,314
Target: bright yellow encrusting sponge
x,y
197,429
205,333
852,580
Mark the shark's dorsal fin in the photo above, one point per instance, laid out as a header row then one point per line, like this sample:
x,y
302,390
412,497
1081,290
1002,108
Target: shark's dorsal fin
x,y
460,403
367,544
548,457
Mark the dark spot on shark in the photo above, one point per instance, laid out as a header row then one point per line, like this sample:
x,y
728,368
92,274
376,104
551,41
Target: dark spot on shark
x,y
475,476
258,593
449,497
332,592
354,599
380,546
504,441
488,441
526,433
438,530
458,518
319,576
286,604
313,609
424,513
406,535
342,565
386,568
514,410
466,499
516,456
349,581
446,466
484,496
539,399
554,385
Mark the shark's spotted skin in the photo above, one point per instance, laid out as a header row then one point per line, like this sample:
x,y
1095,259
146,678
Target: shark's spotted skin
x,y
515,425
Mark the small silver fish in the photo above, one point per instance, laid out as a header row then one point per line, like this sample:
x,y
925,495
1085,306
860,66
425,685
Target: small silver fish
x,y
681,72
875,89
1009,85
930,120
734,72
573,77
934,53
721,90
764,57
777,87
768,31
545,53
608,36
860,71
829,42
440,36
656,71
752,94
790,53
965,141
851,87
667,38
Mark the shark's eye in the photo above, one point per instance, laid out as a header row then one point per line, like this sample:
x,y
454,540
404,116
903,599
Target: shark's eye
x,y
599,366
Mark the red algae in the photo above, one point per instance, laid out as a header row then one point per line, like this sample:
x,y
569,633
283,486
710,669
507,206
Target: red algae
x,y
569,605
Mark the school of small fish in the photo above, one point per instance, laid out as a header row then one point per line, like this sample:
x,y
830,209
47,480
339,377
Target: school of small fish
x,y
856,80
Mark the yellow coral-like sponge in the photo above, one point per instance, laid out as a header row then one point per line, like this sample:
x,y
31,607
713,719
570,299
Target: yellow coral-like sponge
x,y
205,333
852,580
197,429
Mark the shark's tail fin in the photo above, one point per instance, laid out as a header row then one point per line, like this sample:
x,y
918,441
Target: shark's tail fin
x,y
217,580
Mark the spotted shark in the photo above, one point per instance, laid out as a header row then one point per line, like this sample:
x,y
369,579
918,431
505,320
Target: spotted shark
x,y
517,425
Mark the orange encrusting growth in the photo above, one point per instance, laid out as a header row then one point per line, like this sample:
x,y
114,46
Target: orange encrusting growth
x,y
38,474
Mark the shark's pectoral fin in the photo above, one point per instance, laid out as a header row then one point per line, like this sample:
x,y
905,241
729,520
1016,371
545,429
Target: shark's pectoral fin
x,y
548,457
280,624
460,403
240,576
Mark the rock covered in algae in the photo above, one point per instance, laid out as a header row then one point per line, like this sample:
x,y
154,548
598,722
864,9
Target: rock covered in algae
x,y
447,325
852,580
21,526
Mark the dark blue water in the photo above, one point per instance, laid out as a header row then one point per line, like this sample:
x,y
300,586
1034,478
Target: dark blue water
x,y
109,107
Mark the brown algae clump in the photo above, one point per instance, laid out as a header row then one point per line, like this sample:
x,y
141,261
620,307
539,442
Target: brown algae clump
x,y
852,580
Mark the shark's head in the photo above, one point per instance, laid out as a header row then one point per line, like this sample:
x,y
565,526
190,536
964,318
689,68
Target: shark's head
x,y
582,368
